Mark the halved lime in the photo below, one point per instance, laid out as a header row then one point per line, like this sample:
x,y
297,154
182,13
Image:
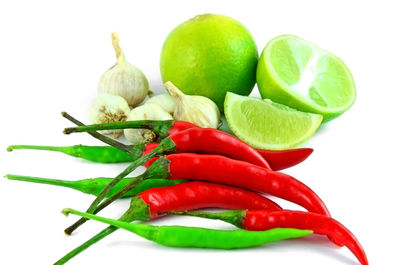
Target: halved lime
x,y
297,73
268,125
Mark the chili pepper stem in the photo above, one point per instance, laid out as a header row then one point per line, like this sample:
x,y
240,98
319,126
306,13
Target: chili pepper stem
x,y
129,216
165,146
128,187
99,136
86,245
139,229
234,217
160,128
134,151
157,170
132,184
37,147
137,211
54,182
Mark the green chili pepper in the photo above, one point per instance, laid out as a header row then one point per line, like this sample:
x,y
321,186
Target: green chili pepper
x,y
102,154
194,237
95,185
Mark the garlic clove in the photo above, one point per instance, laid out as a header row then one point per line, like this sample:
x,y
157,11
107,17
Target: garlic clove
x,y
108,108
198,110
165,101
149,111
124,79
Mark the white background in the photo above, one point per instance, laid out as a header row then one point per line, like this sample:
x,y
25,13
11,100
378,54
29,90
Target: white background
x,y
52,55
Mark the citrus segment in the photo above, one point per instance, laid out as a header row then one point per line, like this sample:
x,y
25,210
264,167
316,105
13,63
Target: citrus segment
x,y
268,125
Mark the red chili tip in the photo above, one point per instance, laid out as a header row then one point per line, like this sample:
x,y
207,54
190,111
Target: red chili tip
x,y
281,159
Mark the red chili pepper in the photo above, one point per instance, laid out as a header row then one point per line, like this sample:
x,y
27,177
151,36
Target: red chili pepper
x,y
212,141
197,194
220,169
179,126
280,159
277,159
320,224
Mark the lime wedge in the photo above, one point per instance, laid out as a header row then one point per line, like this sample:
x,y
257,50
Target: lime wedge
x,y
268,125
297,73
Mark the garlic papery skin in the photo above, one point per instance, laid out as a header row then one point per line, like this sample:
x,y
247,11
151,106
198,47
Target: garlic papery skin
x,y
108,108
198,110
124,79
148,111
165,101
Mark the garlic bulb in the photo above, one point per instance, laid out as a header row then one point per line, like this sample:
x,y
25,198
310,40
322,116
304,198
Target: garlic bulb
x,y
165,101
148,111
108,108
198,110
124,79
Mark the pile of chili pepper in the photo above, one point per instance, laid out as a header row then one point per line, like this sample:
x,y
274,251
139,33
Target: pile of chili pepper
x,y
191,168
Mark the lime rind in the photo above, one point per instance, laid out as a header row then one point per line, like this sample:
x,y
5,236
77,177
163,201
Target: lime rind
x,y
268,125
301,90
209,55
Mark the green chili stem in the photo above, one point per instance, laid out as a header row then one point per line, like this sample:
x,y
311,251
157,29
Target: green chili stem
x,y
146,231
86,245
138,210
37,147
103,194
128,187
99,136
165,146
126,217
143,124
160,128
55,182
234,217
159,169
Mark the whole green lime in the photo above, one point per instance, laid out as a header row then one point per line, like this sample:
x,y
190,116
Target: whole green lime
x,y
210,55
